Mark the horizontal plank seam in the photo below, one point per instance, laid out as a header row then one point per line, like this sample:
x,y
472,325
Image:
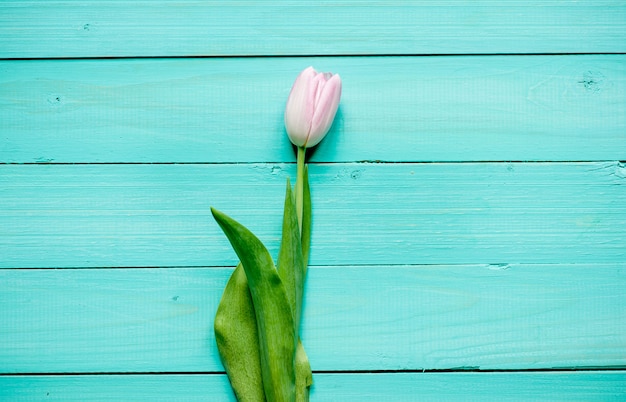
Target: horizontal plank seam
x,y
538,161
478,370
254,56
330,266
417,371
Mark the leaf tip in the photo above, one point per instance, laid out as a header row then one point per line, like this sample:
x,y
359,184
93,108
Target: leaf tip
x,y
217,214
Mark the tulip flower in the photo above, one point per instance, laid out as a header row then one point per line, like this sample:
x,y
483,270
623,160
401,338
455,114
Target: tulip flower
x,y
257,323
311,107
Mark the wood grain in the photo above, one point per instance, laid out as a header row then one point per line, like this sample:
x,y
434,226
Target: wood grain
x,y
56,216
487,316
469,202
496,108
555,386
92,28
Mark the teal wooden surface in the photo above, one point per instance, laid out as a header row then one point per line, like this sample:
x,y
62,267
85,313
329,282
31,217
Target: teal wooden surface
x,y
572,386
93,28
418,317
365,213
495,108
469,202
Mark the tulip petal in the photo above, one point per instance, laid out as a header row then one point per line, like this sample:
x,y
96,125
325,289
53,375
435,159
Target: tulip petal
x,y
323,79
299,109
325,110
314,91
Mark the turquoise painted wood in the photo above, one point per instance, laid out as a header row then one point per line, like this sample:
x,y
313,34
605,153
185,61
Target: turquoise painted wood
x,y
356,318
398,109
577,386
365,213
469,202
93,28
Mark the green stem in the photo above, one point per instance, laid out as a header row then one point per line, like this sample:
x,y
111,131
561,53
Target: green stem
x,y
300,185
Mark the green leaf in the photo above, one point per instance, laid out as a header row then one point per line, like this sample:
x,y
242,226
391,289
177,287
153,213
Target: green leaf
x,y
235,322
304,377
290,264
290,258
275,322
237,339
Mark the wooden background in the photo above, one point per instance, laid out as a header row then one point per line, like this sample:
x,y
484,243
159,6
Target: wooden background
x,y
469,238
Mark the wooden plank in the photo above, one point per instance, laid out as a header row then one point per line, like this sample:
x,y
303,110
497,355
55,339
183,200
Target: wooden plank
x,y
484,316
364,213
552,108
95,28
553,386
393,109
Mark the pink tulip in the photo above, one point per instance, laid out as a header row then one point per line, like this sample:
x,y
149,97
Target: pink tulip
x,y
311,107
